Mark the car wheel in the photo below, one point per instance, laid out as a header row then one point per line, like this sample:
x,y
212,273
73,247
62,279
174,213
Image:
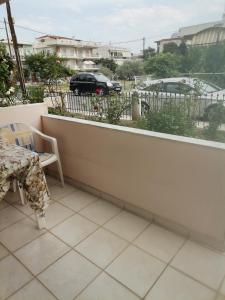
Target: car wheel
x,y
145,108
100,91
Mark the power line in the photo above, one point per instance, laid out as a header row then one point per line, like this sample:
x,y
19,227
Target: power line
x,y
29,29
113,43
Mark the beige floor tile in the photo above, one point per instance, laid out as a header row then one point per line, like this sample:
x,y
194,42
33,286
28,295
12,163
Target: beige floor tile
x,y
24,208
69,275
127,225
3,251
58,192
78,200
176,286
8,216
42,252
222,290
55,214
106,288
52,181
201,263
12,197
3,204
19,234
220,297
74,229
100,211
136,270
101,247
34,290
160,242
12,276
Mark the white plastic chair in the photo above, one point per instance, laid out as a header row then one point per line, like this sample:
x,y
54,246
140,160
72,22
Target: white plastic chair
x,y
23,135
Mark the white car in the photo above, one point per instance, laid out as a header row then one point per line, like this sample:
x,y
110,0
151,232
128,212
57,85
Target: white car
x,y
160,90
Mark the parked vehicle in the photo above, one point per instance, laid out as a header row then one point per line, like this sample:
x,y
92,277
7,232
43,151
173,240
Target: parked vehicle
x,y
207,94
117,86
90,83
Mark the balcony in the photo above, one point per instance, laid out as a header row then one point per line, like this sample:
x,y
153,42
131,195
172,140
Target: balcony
x,y
141,217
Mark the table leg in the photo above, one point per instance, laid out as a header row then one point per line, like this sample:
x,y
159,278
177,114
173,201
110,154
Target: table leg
x,y
41,222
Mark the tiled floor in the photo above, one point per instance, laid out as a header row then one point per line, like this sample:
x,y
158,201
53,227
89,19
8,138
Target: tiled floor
x,y
93,250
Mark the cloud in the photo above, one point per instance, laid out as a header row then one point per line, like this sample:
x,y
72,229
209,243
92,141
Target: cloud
x,y
113,20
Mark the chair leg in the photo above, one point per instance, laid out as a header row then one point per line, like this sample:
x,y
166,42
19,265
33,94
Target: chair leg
x,y
60,172
22,196
41,222
13,186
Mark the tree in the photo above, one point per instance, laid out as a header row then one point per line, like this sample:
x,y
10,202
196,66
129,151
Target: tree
x,y
175,49
149,52
171,48
108,63
106,71
163,65
47,67
129,69
6,68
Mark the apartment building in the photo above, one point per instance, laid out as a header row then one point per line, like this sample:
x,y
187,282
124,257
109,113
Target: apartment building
x,y
197,35
118,54
79,54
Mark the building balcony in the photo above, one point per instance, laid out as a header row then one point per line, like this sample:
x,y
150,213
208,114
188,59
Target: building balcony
x,y
141,217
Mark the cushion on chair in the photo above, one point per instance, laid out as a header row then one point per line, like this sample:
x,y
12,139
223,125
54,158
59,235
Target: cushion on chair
x,y
19,134
44,156
47,158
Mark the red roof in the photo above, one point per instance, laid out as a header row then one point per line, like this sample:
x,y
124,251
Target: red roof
x,y
55,37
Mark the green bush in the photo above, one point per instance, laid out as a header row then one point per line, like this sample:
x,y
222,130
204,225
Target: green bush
x,y
172,118
110,108
216,117
35,94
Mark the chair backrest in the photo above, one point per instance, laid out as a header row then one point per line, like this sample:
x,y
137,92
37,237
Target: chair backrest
x,y
19,134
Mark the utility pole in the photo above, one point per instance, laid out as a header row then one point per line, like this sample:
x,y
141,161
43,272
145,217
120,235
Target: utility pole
x,y
16,49
7,35
144,39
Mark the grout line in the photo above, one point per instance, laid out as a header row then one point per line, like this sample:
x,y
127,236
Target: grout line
x,y
166,267
48,230
11,224
129,243
20,288
193,278
82,207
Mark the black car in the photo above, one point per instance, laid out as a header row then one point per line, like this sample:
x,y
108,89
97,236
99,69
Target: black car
x,y
117,87
91,83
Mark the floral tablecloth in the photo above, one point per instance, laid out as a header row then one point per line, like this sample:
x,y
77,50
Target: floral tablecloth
x,y
23,165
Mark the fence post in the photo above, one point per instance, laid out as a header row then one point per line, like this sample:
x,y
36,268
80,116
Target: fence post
x,y
135,106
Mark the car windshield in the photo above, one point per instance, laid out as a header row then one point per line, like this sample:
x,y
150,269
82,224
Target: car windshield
x,y
209,87
101,78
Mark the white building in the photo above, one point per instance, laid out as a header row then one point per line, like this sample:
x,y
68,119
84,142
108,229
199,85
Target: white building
x,y
197,35
24,49
79,54
118,54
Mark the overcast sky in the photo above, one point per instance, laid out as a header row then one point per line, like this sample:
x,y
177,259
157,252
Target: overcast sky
x,y
111,20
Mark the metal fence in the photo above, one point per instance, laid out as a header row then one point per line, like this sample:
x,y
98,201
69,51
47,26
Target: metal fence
x,y
98,106
142,102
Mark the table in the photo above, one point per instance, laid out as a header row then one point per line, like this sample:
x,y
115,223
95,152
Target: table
x,y
24,165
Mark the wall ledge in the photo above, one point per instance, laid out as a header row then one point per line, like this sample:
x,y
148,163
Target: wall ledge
x,y
146,133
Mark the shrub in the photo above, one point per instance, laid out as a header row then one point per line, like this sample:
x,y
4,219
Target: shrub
x,y
163,65
110,108
35,94
6,87
172,118
216,117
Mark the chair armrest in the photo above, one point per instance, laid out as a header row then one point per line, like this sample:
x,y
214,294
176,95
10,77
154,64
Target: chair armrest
x,y
47,138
